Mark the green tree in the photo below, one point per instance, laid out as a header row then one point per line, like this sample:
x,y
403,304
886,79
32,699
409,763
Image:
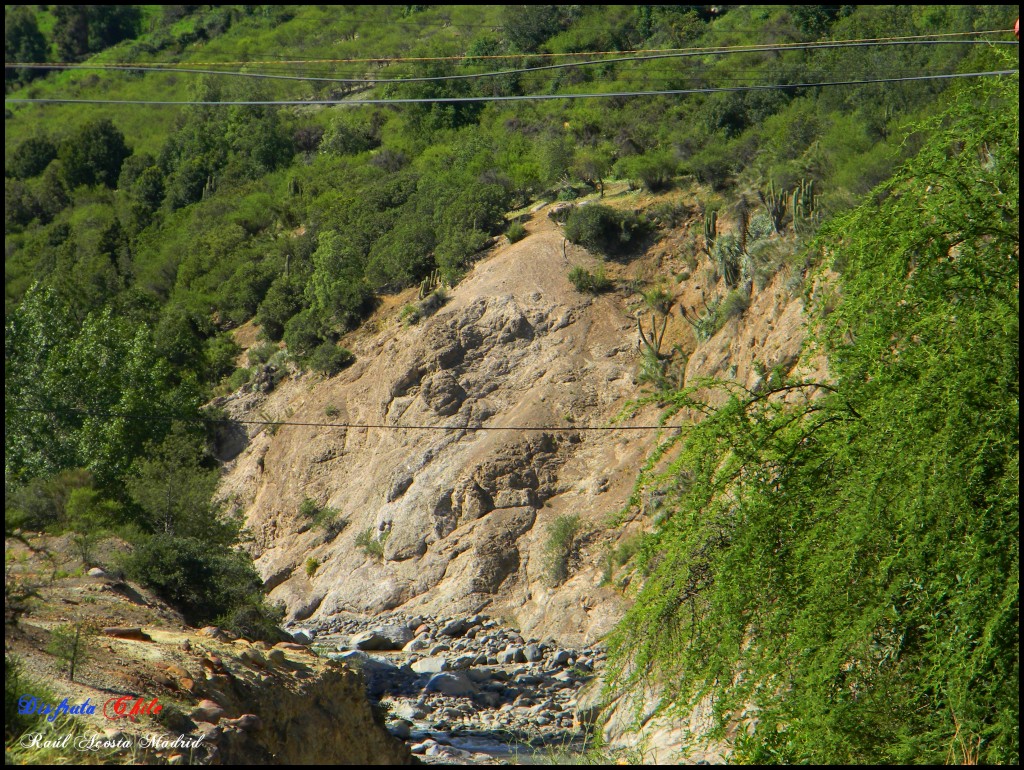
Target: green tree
x,y
31,157
71,395
527,26
175,492
71,31
845,554
93,154
337,289
23,42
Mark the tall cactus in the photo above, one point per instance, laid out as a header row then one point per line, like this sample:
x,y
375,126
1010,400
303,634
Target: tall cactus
x,y
710,229
804,202
743,220
775,204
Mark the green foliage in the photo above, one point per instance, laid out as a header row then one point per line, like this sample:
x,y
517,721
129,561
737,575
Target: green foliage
x,y
31,157
653,171
659,299
93,154
668,213
727,255
734,305
174,491
311,566
107,366
282,302
70,644
260,354
527,26
561,549
16,685
371,543
591,283
220,353
329,359
253,617
845,554
205,580
409,315
602,229
23,42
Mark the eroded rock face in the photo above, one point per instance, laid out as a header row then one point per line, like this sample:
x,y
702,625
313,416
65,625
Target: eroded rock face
x,y
453,505
458,514
325,720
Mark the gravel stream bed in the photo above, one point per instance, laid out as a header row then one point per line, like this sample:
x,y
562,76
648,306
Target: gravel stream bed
x,y
465,690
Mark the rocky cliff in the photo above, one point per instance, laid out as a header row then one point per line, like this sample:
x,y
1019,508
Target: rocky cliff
x,y
479,441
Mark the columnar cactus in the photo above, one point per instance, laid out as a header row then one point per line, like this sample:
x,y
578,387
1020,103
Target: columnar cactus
x,y
775,204
710,229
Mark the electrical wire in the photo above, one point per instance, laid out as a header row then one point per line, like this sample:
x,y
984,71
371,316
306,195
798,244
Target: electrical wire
x,y
354,426
502,73
514,98
389,59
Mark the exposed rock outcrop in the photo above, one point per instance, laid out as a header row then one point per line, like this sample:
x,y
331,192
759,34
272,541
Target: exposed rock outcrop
x,y
487,399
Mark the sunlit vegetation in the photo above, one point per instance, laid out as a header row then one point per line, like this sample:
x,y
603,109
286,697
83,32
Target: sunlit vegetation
x,y
137,238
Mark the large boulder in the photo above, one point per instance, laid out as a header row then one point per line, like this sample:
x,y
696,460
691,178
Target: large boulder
x,y
390,637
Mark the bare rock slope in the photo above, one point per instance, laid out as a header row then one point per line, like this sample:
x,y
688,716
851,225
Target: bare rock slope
x,y
477,447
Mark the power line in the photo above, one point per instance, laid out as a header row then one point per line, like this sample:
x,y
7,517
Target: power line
x,y
354,426
139,67
515,98
390,59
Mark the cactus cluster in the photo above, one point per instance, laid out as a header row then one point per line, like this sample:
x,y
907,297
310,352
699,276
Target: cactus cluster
x,y
430,284
804,202
775,204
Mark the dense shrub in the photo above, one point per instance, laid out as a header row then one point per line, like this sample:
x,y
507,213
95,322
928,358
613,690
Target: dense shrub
x,y
561,547
591,283
202,578
329,359
31,157
516,232
654,171
855,553
602,229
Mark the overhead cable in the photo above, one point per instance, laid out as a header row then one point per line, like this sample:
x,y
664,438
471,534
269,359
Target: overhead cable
x,y
515,98
141,67
459,57
354,426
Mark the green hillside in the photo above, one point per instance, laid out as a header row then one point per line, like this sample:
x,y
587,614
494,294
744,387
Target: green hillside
x,y
856,557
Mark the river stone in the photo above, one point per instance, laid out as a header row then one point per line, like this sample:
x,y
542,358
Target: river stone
x,y
533,652
456,627
430,665
390,637
512,655
463,661
400,728
409,711
417,644
454,683
302,636
421,748
479,674
561,658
